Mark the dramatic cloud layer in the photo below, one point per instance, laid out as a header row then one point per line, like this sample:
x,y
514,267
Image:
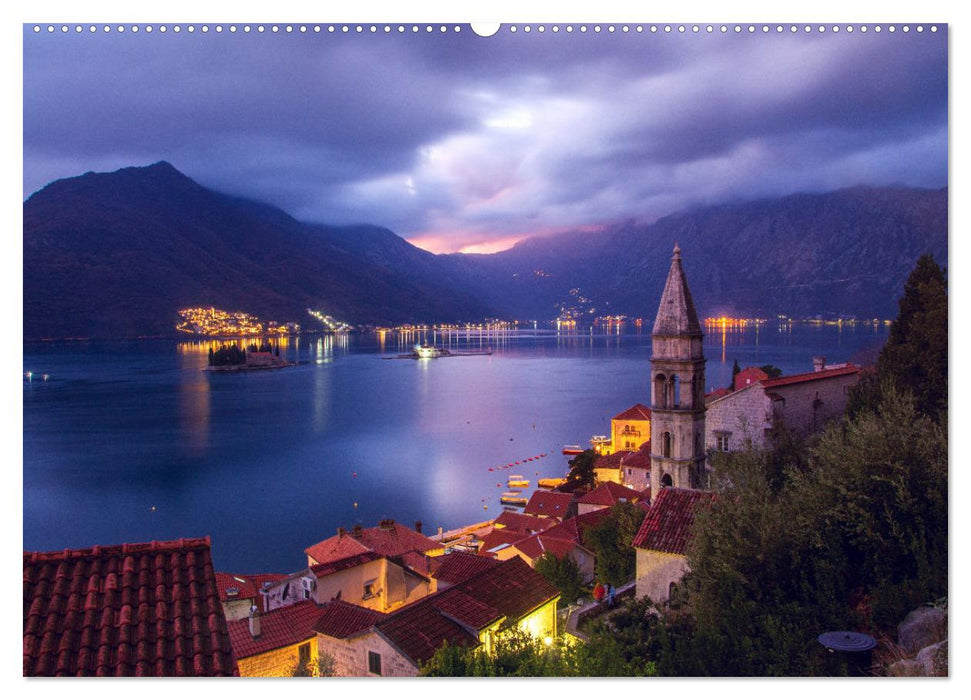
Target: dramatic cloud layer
x,y
461,142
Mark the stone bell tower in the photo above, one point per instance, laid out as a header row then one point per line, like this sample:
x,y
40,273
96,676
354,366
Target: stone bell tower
x,y
677,388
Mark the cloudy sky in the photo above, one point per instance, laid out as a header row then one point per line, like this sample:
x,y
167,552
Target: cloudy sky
x,y
459,142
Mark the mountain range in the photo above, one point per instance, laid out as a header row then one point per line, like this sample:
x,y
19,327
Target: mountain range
x,y
117,254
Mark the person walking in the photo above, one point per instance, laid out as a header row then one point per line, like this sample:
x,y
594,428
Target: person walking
x,y
610,595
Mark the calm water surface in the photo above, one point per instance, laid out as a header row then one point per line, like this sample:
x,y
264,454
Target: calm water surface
x,y
130,441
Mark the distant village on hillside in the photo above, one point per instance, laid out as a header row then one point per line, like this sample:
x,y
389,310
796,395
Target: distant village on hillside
x,y
382,600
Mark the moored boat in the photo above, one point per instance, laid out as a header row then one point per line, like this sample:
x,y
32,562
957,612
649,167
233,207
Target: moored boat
x,y
572,450
513,498
518,481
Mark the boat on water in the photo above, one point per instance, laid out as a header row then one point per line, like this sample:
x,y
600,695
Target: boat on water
x,y
572,450
513,498
426,351
423,351
550,483
517,481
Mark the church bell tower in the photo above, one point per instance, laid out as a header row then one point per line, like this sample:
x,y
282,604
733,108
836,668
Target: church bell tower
x,y
677,388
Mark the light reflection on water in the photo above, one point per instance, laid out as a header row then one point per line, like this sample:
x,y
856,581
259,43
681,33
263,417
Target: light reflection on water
x,y
270,462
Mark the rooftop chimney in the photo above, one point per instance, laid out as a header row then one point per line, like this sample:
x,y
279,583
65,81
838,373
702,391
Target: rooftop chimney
x,y
386,524
357,530
254,622
819,363
341,532
418,526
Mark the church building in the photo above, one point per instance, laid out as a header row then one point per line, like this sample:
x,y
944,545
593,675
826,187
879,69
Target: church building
x,y
677,388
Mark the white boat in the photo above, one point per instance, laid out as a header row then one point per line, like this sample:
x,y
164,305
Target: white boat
x,y
517,481
422,352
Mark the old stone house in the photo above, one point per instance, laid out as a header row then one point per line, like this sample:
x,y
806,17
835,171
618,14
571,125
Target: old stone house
x,y
276,643
240,592
803,403
662,541
630,429
367,579
388,539
470,613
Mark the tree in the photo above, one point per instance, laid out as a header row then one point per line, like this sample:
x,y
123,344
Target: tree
x,y
735,370
611,540
772,371
515,653
915,356
564,574
582,474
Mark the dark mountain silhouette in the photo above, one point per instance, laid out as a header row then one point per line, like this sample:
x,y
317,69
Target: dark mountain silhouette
x,y
845,252
117,254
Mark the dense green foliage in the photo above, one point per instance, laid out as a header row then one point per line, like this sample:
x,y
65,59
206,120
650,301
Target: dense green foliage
x,y
611,540
227,355
771,370
582,475
515,653
915,356
564,574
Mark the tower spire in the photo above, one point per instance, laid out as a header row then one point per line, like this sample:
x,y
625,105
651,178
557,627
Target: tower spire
x,y
677,387
676,313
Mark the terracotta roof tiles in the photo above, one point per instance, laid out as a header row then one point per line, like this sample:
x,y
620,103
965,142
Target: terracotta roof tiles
x,y
332,567
249,588
520,522
147,609
810,376
457,567
342,620
550,504
508,590
391,540
282,627
609,493
636,412
667,525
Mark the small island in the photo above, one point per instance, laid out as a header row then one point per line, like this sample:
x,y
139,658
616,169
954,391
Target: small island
x,y
232,358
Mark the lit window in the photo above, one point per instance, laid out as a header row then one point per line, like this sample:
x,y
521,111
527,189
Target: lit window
x,y
374,663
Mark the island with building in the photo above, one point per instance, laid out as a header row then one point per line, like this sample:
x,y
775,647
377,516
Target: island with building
x,y
723,533
233,358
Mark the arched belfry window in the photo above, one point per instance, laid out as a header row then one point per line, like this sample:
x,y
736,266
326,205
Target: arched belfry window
x,y
676,391
666,480
666,445
660,391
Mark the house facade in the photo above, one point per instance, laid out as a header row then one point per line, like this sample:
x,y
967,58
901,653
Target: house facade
x,y
630,429
470,613
803,403
662,541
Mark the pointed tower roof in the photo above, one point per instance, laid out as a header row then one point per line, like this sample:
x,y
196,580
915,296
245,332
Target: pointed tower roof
x,y
676,314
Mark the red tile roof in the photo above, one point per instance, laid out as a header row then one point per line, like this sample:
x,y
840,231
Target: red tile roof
x,y
520,522
282,627
749,375
332,567
551,504
389,541
640,459
342,620
575,528
717,393
128,610
417,562
536,546
667,525
458,567
636,412
508,590
609,493
612,460
810,376
497,537
248,589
